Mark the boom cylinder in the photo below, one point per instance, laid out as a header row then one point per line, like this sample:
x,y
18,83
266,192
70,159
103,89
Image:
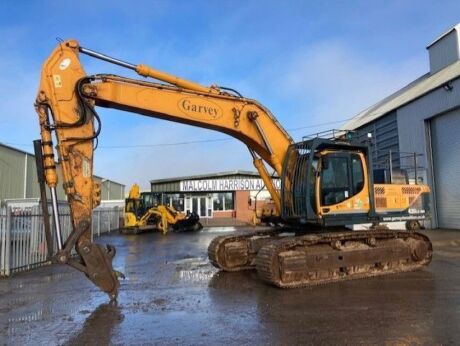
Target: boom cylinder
x,y
107,58
47,146
49,165
57,224
147,71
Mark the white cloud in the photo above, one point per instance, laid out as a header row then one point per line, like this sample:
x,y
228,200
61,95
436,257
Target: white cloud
x,y
329,81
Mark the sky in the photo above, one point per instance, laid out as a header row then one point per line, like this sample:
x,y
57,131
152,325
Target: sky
x,y
314,64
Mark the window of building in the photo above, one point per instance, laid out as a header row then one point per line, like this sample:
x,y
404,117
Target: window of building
x,y
223,201
175,200
228,201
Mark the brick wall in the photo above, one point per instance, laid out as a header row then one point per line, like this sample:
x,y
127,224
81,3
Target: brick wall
x,y
243,211
223,213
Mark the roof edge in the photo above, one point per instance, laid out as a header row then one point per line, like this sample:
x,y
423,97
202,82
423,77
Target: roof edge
x,y
204,176
456,27
374,112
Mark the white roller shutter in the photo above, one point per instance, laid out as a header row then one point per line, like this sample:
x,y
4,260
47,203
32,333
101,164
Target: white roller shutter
x,y
445,137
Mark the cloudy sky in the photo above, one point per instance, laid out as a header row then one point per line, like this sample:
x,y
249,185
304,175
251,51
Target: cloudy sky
x,y
313,63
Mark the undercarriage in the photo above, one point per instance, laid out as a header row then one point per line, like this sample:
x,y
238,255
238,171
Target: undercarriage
x,y
286,260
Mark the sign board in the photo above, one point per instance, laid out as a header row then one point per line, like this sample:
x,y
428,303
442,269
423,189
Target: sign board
x,y
234,184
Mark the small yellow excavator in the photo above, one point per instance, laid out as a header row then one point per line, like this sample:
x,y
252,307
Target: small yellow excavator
x,y
144,212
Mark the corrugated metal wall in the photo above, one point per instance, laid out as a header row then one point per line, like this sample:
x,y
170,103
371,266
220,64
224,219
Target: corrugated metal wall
x,y
166,187
111,190
446,166
384,132
32,187
12,164
407,130
19,181
414,128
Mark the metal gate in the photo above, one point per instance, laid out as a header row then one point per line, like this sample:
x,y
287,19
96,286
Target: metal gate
x,y
22,236
445,141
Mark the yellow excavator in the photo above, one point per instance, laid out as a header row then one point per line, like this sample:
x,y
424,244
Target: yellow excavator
x,y
144,212
326,183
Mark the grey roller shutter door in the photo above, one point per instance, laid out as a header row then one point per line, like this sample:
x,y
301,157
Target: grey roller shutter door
x,y
445,137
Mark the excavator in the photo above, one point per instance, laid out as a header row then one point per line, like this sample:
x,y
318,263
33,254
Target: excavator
x,y
327,183
145,212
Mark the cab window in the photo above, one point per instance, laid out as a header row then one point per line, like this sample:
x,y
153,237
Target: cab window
x,y
335,180
357,173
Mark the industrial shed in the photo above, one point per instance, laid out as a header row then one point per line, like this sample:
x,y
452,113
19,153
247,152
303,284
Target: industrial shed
x,y
424,118
18,178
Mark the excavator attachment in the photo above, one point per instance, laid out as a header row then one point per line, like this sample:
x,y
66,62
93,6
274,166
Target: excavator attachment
x,y
98,267
190,223
62,109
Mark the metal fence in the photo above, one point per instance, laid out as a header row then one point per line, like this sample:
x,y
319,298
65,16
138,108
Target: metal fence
x,y
22,235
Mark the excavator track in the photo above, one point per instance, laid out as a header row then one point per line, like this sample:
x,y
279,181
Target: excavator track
x,y
317,259
238,251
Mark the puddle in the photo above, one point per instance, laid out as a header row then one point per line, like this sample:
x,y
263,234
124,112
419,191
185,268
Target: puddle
x,y
195,275
192,261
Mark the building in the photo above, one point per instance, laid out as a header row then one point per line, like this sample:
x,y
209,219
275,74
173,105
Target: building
x,y
219,195
18,178
424,118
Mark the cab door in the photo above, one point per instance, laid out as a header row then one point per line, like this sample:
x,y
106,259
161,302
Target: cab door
x,y
341,187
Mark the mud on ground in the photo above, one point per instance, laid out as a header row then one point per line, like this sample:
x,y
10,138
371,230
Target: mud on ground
x,y
172,295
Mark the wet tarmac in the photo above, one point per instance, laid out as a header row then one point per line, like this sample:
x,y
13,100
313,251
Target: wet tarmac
x,y
172,295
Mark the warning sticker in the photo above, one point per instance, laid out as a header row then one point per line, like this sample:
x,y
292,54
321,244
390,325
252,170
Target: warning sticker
x,y
64,64
86,167
57,81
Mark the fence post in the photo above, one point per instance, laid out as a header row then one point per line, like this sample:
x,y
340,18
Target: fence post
x,y
8,241
2,240
34,241
110,220
118,218
98,223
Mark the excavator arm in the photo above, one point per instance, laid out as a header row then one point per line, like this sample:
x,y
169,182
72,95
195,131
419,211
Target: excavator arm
x,y
66,105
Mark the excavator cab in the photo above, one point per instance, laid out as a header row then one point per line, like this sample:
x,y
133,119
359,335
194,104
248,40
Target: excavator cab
x,y
150,199
319,176
330,183
137,206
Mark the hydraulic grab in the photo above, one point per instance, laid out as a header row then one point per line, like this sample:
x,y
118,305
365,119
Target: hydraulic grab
x,y
326,184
